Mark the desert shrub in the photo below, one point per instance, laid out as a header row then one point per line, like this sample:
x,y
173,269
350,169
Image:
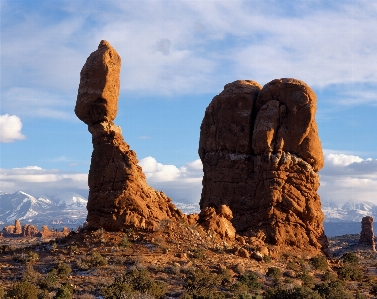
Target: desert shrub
x,y
295,293
125,242
250,279
333,290
2,292
307,279
224,277
267,258
350,257
31,257
274,272
23,290
198,253
350,272
329,276
132,282
64,292
201,282
31,275
62,270
319,263
49,281
373,289
74,250
97,260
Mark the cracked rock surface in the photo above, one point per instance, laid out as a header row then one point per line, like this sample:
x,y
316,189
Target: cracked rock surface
x,y
261,153
119,196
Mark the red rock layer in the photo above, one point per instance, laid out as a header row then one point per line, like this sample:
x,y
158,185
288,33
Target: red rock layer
x,y
261,153
119,196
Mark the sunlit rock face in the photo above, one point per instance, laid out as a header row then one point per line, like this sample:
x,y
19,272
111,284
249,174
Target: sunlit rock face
x,y
119,196
261,153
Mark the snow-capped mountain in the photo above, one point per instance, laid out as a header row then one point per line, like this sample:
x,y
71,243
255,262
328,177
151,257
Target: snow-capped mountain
x,y
70,200
66,208
190,208
352,210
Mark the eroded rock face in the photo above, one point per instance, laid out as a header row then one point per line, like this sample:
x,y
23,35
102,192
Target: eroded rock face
x,y
218,221
367,234
119,196
261,153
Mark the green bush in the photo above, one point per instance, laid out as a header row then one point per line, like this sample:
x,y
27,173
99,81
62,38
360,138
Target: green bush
x,y
23,290
62,270
201,282
333,290
307,279
295,293
350,272
65,292
350,257
250,279
97,260
125,242
137,280
49,281
274,272
319,263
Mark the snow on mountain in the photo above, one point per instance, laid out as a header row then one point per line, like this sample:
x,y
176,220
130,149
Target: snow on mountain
x,y
71,200
352,210
67,207
188,208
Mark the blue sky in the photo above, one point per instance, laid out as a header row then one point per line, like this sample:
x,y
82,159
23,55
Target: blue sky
x,y
176,56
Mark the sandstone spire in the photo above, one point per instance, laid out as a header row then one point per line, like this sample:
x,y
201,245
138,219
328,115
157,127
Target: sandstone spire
x,y
261,153
119,196
367,235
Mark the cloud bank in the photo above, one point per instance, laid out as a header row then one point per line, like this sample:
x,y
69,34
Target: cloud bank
x,y
344,177
187,47
10,128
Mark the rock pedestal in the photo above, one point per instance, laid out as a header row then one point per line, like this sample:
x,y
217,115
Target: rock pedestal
x,y
119,196
261,153
367,234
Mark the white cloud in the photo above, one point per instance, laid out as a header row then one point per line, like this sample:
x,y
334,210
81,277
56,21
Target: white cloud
x,y
36,103
10,128
170,47
39,181
346,177
182,184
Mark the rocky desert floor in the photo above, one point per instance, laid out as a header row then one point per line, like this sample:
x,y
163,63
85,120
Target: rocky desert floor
x,y
179,261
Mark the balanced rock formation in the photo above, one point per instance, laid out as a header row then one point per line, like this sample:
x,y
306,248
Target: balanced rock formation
x,y
367,234
119,196
261,153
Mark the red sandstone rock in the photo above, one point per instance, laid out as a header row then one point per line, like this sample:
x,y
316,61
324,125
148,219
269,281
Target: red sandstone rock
x,y
29,230
367,234
218,221
17,227
268,175
98,92
119,196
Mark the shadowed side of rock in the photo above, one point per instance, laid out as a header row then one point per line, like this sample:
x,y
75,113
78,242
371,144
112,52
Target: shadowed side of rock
x,y
263,162
119,196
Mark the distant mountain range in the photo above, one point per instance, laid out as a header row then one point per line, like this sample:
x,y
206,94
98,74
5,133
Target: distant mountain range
x,y
69,209
66,209
352,210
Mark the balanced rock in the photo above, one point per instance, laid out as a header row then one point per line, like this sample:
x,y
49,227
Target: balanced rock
x,y
119,196
261,153
367,234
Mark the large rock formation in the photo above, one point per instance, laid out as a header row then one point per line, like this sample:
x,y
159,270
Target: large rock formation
x,y
261,153
367,236
119,196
